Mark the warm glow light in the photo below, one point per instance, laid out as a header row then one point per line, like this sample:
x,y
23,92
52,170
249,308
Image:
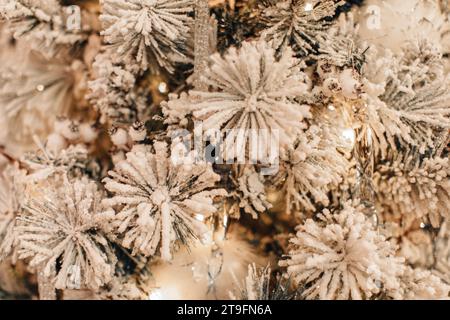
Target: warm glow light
x,y
225,220
200,217
156,295
369,134
168,293
162,87
207,238
349,135
273,196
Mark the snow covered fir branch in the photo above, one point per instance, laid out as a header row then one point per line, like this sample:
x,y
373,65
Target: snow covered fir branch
x,y
219,149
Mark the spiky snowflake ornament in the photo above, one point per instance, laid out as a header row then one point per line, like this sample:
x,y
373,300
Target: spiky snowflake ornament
x,y
158,201
148,31
342,256
251,92
301,24
60,232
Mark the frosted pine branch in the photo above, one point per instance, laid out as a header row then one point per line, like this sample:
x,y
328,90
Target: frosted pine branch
x,y
342,256
408,98
420,284
408,185
45,164
10,204
249,193
124,287
39,22
148,32
63,226
250,90
311,170
412,236
113,91
34,93
301,24
340,46
442,252
157,202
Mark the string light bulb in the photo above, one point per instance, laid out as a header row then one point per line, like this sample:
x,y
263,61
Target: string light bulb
x,y
308,6
349,136
162,87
